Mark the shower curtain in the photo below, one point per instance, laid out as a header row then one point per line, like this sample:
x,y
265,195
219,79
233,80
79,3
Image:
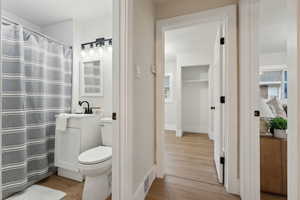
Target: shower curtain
x,y
36,86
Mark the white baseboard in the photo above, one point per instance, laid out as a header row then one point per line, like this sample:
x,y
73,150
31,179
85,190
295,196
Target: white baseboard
x,y
179,133
140,193
211,136
195,129
171,127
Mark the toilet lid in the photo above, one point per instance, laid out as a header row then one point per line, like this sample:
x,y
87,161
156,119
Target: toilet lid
x,y
95,155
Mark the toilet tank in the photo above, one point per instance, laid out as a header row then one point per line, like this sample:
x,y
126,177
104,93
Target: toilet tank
x,y
106,131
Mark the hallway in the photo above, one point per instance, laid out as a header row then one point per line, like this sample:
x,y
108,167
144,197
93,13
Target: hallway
x,y
190,171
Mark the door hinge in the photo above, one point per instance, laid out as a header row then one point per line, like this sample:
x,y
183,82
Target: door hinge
x,y
114,116
222,99
257,113
222,40
222,161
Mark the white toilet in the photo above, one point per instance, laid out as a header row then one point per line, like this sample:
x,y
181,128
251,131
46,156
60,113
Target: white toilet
x,y
96,165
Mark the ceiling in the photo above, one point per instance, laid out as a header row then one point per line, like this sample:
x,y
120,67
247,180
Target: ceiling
x,y
190,40
45,12
273,19
201,38
273,22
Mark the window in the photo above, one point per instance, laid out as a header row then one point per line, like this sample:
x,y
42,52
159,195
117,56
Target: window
x,y
273,83
273,91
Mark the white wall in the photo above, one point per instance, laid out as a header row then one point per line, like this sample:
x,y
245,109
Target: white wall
x,y
62,31
21,20
170,107
196,49
74,33
195,100
196,58
143,100
87,31
190,119
278,58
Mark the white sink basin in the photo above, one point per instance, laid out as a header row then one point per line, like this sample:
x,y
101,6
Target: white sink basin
x,y
76,115
106,120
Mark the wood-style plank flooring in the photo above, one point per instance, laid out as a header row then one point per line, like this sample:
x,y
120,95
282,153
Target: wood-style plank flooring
x,y
191,174
73,189
265,196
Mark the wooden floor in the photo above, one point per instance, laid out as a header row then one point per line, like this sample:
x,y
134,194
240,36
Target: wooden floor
x,y
265,196
73,189
191,174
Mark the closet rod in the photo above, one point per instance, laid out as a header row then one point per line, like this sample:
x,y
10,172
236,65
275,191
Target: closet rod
x,y
35,32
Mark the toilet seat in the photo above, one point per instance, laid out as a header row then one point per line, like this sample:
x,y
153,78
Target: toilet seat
x,y
95,155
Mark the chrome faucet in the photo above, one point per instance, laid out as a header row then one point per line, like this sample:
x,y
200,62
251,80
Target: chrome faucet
x,y
87,110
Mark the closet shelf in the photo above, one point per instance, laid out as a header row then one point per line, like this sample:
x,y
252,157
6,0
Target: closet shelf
x,y
196,81
270,83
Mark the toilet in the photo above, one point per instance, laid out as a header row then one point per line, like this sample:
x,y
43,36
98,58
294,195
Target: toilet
x,y
96,166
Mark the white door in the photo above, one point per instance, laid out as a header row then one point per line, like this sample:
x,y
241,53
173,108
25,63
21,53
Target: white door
x,y
217,110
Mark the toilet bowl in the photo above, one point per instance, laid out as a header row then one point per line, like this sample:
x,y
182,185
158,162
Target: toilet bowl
x,y
96,165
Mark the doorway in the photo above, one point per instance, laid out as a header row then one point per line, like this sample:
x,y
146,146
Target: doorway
x,y
250,99
189,73
273,73
60,53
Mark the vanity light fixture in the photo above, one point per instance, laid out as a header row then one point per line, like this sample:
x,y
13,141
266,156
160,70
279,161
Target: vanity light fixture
x,y
99,42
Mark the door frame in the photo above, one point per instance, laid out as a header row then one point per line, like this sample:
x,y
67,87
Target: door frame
x,y
228,15
122,148
121,168
249,102
249,99
0,101
122,94
293,54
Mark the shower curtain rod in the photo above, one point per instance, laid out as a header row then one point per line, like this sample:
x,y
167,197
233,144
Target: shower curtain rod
x,y
35,32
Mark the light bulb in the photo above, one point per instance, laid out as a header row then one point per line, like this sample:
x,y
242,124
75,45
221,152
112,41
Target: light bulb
x,y
100,51
83,53
91,52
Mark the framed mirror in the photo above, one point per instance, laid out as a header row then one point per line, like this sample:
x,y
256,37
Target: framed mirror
x,y
91,78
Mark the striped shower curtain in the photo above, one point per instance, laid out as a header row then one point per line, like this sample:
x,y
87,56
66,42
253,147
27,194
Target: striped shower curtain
x,y
36,85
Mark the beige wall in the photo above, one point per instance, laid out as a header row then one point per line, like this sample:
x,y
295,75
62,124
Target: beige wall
x,y
143,90
173,8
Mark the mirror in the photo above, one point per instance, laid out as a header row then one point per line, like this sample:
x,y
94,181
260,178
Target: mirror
x,y
91,78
